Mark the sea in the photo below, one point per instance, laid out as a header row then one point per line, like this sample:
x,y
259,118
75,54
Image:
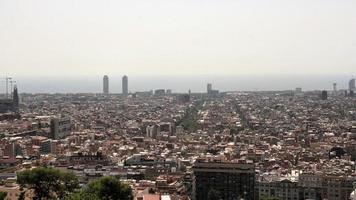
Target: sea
x,y
180,83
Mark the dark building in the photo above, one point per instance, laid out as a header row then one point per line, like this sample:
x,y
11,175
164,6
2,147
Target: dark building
x,y
228,180
160,92
183,98
324,95
352,84
125,85
106,84
209,87
10,105
298,90
45,147
6,105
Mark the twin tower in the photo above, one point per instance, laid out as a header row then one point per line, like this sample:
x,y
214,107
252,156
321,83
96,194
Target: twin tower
x,y
125,85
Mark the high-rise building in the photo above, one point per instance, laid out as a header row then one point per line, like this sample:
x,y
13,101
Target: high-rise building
x,y
209,87
125,85
160,92
324,95
228,180
352,84
334,88
298,90
60,127
106,84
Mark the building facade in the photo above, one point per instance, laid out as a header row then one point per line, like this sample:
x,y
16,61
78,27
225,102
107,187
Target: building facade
x,y
106,84
125,85
60,127
352,86
229,180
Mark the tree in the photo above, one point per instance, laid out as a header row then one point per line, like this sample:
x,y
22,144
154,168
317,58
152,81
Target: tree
x,y
81,195
48,183
104,188
3,195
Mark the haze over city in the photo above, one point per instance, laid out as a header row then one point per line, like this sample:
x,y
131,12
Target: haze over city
x,y
177,100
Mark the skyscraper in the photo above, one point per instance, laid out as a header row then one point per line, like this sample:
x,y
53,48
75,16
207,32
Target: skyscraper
x,y
125,85
209,87
106,84
352,84
324,95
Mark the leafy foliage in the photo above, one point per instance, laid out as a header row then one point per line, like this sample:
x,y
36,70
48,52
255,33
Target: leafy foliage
x,y
3,195
105,188
48,183
189,121
81,195
109,188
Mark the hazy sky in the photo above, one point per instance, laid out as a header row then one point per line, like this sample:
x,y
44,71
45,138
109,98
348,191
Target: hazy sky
x,y
84,37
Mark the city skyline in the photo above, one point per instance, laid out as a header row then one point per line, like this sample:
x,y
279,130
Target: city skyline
x,y
180,84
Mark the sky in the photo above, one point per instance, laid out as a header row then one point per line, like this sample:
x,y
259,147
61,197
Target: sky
x,y
176,37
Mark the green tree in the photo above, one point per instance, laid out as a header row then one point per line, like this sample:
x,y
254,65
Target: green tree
x,y
82,195
104,188
3,195
48,183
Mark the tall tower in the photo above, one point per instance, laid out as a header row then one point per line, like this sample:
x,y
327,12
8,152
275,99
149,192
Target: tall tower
x,y
209,87
324,95
106,84
125,85
334,88
352,84
15,100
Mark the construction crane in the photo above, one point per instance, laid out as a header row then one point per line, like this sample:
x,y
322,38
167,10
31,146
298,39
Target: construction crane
x,y
7,80
11,84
